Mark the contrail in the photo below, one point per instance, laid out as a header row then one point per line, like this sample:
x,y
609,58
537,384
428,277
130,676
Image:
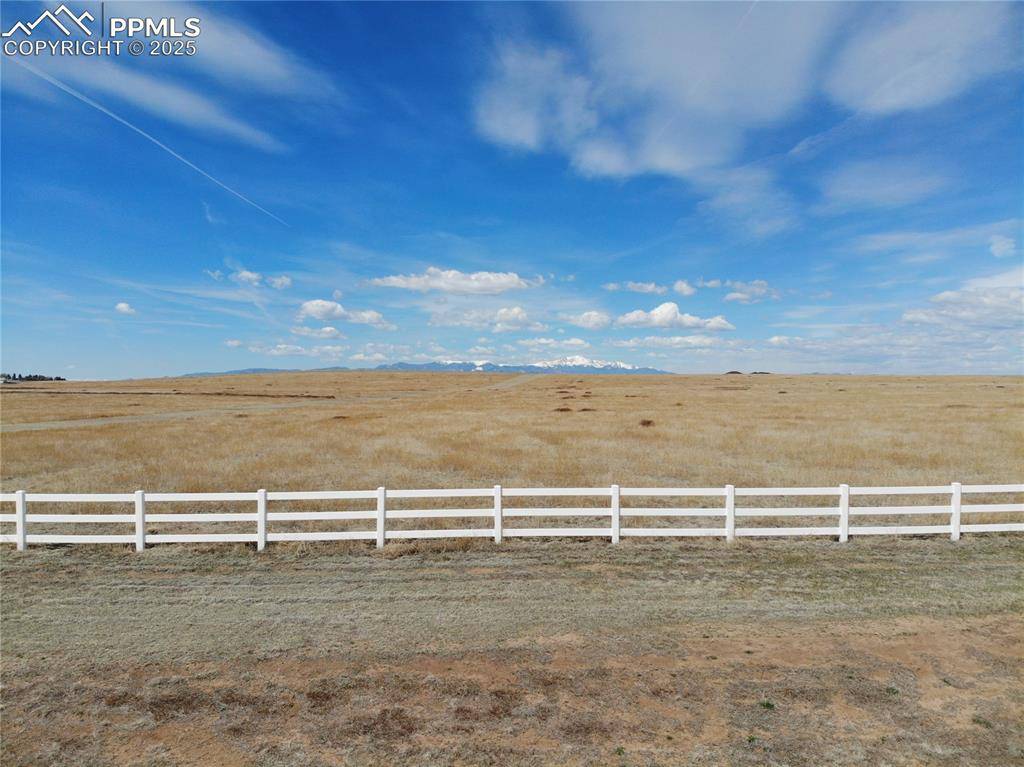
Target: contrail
x,y
85,99
749,10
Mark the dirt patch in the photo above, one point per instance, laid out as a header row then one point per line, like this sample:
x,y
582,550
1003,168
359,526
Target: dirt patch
x,y
571,654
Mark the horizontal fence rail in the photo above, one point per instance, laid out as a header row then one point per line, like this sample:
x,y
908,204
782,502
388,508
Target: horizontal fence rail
x,y
720,509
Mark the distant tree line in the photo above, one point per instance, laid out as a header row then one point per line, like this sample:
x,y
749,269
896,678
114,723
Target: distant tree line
x,y
34,377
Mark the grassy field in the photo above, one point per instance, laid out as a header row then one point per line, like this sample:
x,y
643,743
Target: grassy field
x,y
788,652
361,430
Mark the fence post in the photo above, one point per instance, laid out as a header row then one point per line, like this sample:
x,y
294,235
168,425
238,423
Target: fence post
x,y
498,515
21,537
844,513
140,520
261,520
382,495
730,513
954,515
616,513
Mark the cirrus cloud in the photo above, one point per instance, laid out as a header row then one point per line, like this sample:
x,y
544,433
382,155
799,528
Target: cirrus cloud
x,y
915,55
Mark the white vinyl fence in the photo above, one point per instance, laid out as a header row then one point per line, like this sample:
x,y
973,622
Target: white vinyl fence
x,y
613,511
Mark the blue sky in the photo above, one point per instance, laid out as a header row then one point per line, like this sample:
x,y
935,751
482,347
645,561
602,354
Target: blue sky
x,y
694,187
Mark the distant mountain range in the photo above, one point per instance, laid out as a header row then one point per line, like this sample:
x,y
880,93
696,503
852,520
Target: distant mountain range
x,y
574,365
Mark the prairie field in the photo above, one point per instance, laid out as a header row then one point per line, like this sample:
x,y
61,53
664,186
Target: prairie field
x,y
361,430
882,650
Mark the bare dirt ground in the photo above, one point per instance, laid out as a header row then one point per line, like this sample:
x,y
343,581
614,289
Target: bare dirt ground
x,y
899,652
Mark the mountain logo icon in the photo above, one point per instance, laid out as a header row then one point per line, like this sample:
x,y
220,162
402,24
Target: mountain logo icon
x,y
70,20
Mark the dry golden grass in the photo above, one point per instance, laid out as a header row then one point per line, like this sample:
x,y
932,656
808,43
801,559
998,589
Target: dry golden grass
x,y
360,430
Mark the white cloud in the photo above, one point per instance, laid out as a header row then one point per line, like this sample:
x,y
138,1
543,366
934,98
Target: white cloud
x,y
370,317
324,332
750,292
454,281
669,342
368,357
922,246
917,55
667,315
506,319
591,320
683,288
393,349
636,287
664,88
979,327
245,277
278,350
992,302
882,183
514,318
124,307
1001,247
328,352
901,348
677,89
381,352
214,274
1014,278
702,283
534,99
280,283
322,310
535,344
232,343
294,350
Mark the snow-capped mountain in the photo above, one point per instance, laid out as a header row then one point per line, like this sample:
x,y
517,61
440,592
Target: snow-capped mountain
x,y
576,361
572,364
